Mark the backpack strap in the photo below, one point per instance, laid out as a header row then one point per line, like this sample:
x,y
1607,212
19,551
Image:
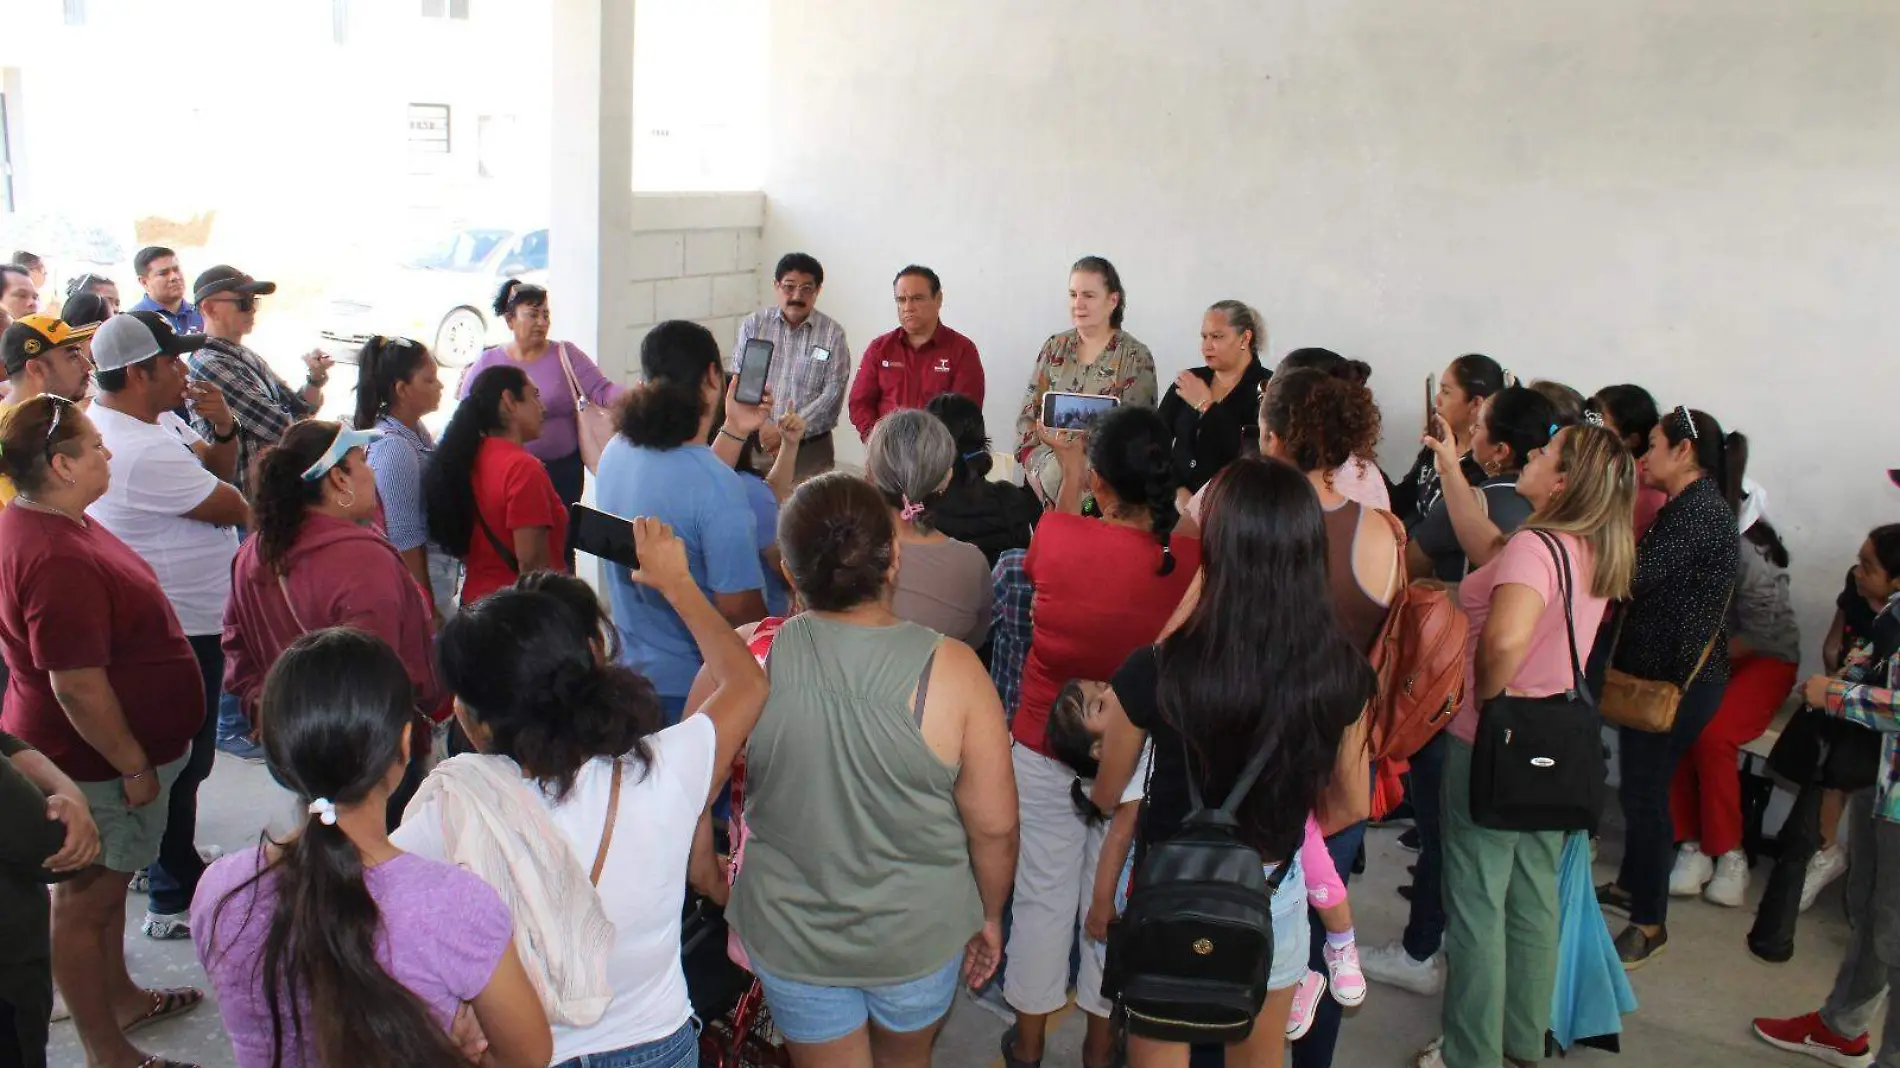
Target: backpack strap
x,y
1248,776
507,555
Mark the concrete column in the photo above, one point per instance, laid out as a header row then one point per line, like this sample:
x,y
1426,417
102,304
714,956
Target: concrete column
x,y
591,213
591,210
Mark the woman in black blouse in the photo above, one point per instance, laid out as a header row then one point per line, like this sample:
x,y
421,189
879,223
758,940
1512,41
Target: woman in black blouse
x,y
1214,411
1462,388
1685,574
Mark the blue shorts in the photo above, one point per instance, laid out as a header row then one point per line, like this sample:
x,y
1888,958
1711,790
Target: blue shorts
x,y
811,1015
1292,935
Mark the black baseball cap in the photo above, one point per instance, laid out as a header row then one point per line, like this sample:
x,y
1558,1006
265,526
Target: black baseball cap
x,y
225,278
85,309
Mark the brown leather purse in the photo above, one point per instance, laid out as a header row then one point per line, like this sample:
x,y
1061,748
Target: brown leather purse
x,y
1648,704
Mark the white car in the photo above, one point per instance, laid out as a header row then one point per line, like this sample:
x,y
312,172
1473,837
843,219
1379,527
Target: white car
x,y
442,297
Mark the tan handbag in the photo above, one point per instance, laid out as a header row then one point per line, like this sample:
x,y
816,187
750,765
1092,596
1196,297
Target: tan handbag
x,y
593,423
1647,704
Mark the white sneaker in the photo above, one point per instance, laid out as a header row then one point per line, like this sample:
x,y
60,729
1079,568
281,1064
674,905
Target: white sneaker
x,y
1392,965
1824,867
1432,1056
1730,885
1692,872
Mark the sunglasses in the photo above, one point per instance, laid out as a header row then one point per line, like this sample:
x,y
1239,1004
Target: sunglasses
x,y
243,304
52,428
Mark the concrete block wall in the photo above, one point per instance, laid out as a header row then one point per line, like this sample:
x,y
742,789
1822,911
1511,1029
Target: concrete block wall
x,y
693,256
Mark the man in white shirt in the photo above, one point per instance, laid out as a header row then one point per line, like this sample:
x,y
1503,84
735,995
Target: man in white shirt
x,y
171,500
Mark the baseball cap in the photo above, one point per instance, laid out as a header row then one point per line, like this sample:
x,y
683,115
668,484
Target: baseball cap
x,y
225,278
32,336
85,309
136,336
347,438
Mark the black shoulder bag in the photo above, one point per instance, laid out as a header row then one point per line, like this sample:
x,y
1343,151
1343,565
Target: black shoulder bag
x,y
1537,764
507,555
1816,749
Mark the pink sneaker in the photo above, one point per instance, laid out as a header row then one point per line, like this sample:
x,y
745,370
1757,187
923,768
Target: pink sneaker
x,y
1305,1005
1349,983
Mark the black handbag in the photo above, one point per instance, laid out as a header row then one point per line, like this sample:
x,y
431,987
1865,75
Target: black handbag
x,y
1816,749
1537,764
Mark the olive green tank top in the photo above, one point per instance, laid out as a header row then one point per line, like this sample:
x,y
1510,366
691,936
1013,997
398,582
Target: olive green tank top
x,y
857,868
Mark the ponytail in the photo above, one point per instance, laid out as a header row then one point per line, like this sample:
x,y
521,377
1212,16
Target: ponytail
x,y
1710,445
281,496
382,363
1480,375
514,293
448,482
336,709
1761,533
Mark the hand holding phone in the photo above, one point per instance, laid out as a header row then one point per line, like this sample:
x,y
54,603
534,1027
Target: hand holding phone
x,y
603,534
755,365
662,557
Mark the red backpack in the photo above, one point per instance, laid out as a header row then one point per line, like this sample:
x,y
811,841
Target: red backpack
x,y
1420,660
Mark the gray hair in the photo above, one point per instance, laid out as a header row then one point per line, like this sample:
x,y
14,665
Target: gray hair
x,y
908,458
1243,320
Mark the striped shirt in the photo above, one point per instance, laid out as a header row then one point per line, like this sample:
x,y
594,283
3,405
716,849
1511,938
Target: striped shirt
x,y
265,405
811,365
398,459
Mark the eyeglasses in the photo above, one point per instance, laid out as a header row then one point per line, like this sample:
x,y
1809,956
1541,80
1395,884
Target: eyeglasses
x,y
790,290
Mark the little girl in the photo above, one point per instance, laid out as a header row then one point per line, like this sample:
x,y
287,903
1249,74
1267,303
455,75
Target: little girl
x,y
1075,737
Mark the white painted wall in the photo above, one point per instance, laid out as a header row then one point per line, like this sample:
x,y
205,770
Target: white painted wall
x,y
1698,195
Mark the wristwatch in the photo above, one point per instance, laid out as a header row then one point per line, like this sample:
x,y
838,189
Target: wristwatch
x,y
220,439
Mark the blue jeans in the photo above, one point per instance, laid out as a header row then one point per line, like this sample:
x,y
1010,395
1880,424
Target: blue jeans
x,y
174,878
1316,1049
1425,926
677,1050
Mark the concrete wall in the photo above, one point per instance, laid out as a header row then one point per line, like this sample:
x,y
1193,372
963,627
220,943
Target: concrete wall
x,y
1697,196
694,256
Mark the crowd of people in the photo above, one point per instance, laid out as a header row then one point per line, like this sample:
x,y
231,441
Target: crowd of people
x,y
965,715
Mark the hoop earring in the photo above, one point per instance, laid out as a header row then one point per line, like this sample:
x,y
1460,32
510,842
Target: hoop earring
x,y
347,505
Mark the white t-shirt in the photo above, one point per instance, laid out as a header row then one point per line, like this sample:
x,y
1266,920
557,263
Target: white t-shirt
x,y
156,479
642,884
1137,787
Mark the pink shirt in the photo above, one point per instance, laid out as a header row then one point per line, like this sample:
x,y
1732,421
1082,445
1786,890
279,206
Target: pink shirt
x,y
1546,669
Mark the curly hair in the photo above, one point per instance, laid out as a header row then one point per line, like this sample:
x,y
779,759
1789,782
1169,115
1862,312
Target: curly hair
x,y
1321,421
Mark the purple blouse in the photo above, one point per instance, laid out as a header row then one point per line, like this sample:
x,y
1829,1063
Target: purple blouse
x,y
560,434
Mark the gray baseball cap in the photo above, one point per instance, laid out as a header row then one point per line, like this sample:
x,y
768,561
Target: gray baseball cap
x,y
136,336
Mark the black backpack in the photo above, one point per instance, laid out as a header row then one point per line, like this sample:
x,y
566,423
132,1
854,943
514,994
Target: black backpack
x,y
1190,956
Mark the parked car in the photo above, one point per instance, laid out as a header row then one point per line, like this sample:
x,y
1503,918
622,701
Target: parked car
x,y
443,296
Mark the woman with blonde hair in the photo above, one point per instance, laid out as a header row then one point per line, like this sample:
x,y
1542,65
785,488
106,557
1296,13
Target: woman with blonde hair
x,y
1524,606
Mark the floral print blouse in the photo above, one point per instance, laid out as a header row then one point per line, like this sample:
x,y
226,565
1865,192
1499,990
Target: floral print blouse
x,y
1126,369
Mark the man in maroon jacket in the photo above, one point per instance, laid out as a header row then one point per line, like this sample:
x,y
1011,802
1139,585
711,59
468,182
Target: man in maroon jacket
x,y
915,362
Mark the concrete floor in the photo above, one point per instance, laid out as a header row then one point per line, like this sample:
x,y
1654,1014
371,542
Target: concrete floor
x,y
1696,999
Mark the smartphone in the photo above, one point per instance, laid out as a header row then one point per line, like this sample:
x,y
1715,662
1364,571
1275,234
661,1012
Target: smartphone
x,y
1074,411
754,364
602,534
1431,399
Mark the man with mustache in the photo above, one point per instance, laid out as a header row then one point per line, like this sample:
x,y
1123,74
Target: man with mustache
x,y
811,362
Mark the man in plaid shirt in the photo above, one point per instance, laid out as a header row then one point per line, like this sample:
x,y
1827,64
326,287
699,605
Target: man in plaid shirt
x,y
811,362
265,406
1011,627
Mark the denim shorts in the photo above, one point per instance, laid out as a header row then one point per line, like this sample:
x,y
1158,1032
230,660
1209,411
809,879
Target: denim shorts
x,y
811,1015
1292,935
677,1050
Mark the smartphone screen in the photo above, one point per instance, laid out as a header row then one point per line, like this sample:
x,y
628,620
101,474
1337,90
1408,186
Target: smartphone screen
x,y
754,364
602,534
1074,411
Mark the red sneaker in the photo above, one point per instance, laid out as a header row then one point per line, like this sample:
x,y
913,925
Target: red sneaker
x,y
1809,1035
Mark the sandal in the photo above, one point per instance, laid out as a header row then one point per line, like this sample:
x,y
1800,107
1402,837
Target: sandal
x,y
158,1060
165,1005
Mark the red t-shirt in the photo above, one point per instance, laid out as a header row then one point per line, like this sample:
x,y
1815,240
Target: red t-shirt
x,y
512,492
1097,600
75,597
